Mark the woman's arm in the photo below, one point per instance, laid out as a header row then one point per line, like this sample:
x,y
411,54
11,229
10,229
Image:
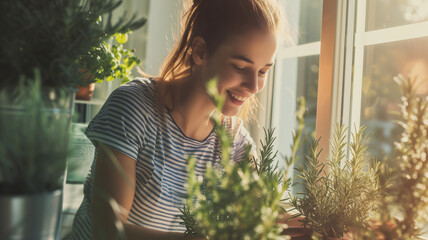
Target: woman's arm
x,y
114,178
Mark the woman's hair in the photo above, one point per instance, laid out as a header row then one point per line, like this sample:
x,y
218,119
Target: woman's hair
x,y
216,21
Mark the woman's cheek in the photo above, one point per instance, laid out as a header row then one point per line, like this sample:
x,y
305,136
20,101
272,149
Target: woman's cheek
x,y
230,77
262,83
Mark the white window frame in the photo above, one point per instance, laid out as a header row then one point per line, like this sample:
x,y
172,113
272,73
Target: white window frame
x,y
363,38
352,38
341,50
268,99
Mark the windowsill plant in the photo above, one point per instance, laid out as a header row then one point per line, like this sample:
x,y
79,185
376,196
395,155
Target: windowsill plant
x,y
108,61
342,193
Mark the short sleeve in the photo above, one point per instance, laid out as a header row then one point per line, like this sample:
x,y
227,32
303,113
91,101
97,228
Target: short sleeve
x,y
121,122
242,140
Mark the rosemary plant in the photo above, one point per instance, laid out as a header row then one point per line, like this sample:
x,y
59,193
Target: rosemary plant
x,y
406,209
412,195
341,193
236,200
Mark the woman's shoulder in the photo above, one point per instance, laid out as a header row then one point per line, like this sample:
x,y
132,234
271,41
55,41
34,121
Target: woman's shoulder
x,y
139,86
138,95
137,91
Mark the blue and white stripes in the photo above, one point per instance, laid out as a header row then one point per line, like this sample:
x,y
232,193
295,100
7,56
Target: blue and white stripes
x,y
132,122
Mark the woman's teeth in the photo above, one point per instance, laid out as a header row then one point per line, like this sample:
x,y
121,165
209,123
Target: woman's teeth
x,y
239,98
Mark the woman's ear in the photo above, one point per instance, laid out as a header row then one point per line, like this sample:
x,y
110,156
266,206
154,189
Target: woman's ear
x,y
199,50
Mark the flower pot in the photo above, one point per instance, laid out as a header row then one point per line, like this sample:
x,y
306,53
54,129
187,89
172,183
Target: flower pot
x,y
345,237
31,217
85,93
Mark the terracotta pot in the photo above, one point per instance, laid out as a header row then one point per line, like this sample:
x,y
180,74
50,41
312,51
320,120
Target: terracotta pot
x,y
295,228
385,230
345,237
85,93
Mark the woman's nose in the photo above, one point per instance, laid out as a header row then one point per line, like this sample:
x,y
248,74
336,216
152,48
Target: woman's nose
x,y
251,83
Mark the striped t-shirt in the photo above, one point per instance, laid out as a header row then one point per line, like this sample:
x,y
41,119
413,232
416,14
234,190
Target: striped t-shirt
x,y
132,122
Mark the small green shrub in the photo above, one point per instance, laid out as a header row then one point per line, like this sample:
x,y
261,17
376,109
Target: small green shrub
x,y
341,193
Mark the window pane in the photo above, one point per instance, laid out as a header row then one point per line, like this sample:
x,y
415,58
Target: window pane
x,y
391,13
297,77
304,18
381,95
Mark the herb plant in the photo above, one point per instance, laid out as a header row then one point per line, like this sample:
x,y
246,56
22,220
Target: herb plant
x,y
33,138
341,193
236,200
111,60
405,210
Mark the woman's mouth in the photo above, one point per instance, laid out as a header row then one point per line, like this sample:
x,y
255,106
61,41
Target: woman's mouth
x,y
236,98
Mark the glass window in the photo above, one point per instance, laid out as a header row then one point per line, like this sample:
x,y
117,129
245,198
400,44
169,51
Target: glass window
x,y
392,13
381,95
304,18
296,75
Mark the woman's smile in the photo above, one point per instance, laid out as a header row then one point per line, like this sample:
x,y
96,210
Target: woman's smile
x,y
238,100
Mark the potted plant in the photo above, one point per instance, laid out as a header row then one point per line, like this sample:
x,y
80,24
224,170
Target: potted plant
x,y
42,44
241,200
341,193
108,61
33,150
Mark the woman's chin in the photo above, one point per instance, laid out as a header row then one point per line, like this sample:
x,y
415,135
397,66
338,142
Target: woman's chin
x,y
230,112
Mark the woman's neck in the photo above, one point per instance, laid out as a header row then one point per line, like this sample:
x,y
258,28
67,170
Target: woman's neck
x,y
193,109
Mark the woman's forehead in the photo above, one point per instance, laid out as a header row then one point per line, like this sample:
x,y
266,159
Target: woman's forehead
x,y
254,44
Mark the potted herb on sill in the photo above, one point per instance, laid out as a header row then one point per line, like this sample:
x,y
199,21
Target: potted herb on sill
x,y
108,61
42,43
341,193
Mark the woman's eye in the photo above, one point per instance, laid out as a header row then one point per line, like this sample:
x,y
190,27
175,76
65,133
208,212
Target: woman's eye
x,y
262,73
238,68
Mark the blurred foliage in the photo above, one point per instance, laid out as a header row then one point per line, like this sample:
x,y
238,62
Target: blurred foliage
x,y
53,36
34,134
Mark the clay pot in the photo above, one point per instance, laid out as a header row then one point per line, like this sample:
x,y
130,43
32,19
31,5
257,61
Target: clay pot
x,y
85,93
345,237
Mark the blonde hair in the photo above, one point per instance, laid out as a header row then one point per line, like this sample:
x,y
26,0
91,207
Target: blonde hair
x,y
215,21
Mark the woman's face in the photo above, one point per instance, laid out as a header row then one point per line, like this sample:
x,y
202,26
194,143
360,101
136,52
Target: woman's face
x,y
241,65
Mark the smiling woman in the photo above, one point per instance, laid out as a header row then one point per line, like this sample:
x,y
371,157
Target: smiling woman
x,y
240,64
149,126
